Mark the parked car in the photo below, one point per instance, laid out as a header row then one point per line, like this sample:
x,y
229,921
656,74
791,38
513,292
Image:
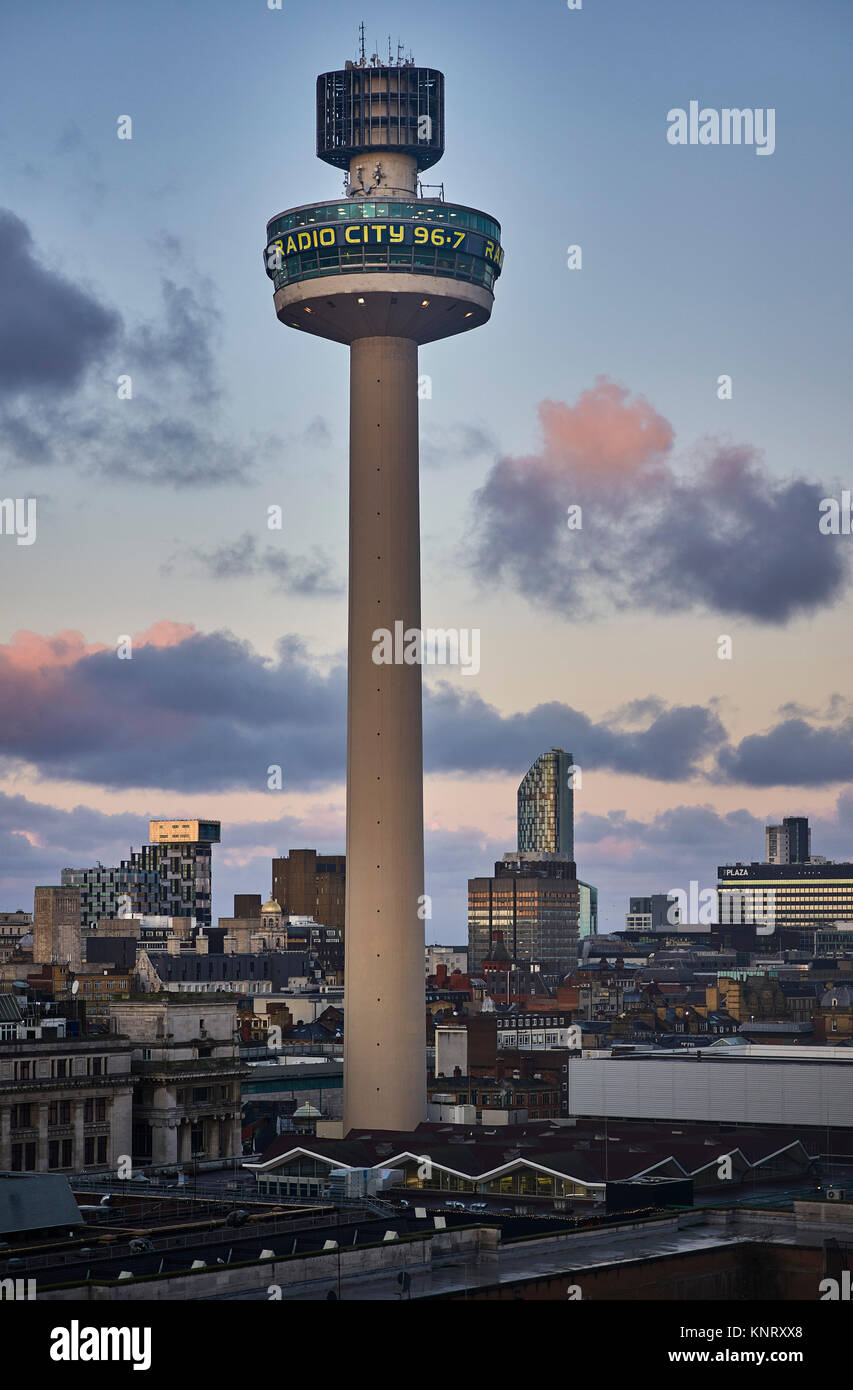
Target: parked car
x,y
455,1206
479,1206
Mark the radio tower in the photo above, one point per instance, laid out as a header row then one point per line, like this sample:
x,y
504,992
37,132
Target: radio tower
x,y
382,270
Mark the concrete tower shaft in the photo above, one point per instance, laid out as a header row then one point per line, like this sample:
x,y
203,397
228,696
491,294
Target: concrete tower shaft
x,y
384,1057
383,270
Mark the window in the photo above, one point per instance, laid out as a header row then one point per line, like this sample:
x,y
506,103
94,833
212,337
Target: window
x,y
88,1152
53,1154
88,1111
65,1112
100,1111
67,1145
102,1148
21,1118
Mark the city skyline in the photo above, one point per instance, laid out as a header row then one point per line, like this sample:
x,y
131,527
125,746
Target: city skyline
x,y
679,750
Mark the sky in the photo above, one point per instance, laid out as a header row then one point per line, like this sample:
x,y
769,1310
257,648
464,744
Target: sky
x,y
595,387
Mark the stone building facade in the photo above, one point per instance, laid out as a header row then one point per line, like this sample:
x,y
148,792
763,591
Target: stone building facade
x,y
65,1104
187,1077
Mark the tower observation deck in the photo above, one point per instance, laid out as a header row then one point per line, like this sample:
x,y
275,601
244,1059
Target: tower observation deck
x,y
383,269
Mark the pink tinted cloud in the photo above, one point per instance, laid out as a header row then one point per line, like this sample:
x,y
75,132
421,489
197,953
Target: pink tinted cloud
x,y
31,652
606,436
164,634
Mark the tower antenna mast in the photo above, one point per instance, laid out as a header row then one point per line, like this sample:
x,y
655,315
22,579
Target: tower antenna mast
x,y
363,52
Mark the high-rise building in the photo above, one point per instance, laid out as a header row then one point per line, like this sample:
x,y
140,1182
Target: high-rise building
x,y
169,877
532,907
308,884
387,266
56,926
790,842
546,807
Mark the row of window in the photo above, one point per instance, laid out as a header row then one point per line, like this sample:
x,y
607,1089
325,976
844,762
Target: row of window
x,y
60,1154
197,1094
537,1022
60,1067
353,210
58,1113
334,260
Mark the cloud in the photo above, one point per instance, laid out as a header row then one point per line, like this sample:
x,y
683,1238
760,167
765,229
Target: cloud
x,y
51,331
193,711
291,574
201,713
197,712
725,537
181,341
57,410
464,733
447,447
794,753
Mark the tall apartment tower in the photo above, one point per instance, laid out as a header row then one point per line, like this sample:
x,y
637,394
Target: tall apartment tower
x,y
546,807
788,843
169,877
381,270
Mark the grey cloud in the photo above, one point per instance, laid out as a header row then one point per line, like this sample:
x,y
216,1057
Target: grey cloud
x,y
51,331
210,713
792,754
292,574
181,340
53,334
463,731
444,448
728,538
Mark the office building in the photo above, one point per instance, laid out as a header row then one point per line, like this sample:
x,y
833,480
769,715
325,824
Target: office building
x,y
792,896
308,884
531,907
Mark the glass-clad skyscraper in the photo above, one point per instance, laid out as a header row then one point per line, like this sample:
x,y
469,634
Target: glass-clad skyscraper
x,y
546,807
